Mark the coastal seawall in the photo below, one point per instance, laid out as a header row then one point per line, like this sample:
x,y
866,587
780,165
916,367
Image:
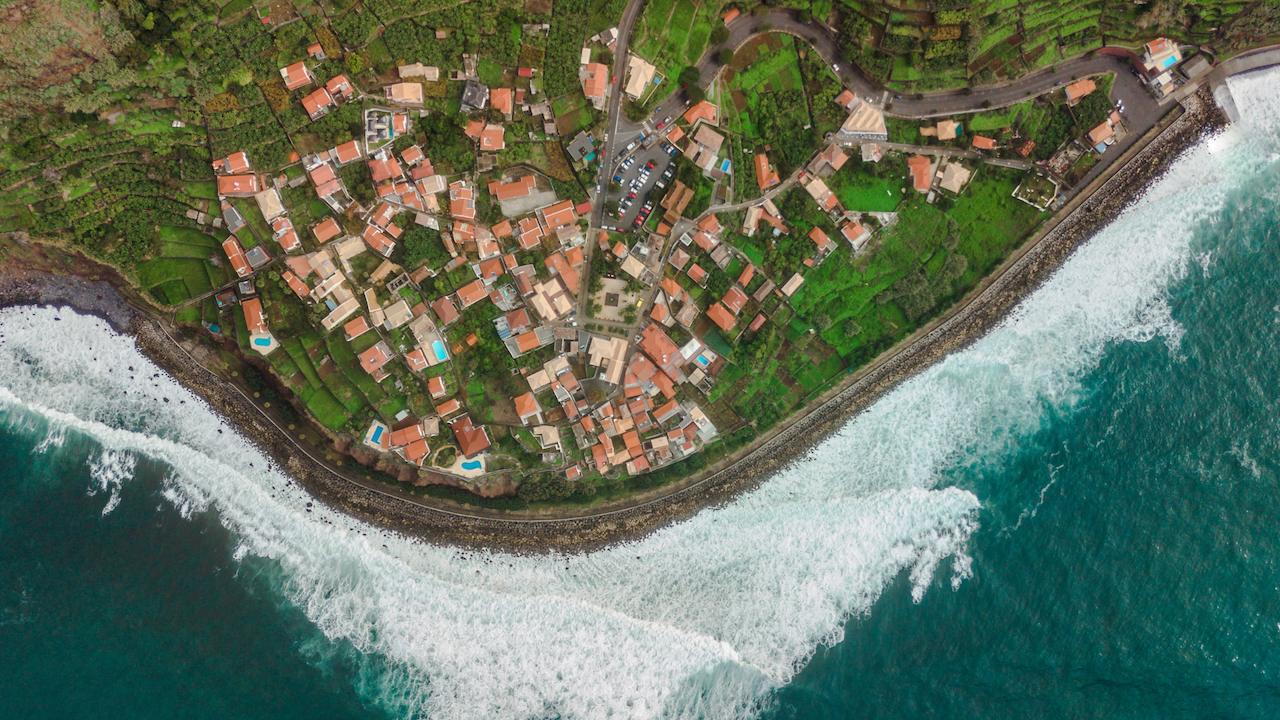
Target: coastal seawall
x,y
398,511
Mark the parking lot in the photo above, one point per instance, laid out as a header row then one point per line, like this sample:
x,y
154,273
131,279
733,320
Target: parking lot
x,y
638,160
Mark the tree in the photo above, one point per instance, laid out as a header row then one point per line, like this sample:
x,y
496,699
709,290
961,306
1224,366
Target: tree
x,y
719,35
725,57
690,75
354,64
852,328
695,93
822,321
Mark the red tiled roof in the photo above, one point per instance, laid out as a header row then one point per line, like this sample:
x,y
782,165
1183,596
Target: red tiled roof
x,y
558,265
560,214
417,360
373,359
237,184
734,300
327,230
297,286
316,101
919,166
356,328
338,85
824,243
322,174
984,143
472,293
766,177
597,78
253,315
520,187
404,436
445,310
526,405
435,386
348,152
415,451
720,316
702,111
235,253
491,269
471,439
295,75
492,138
500,98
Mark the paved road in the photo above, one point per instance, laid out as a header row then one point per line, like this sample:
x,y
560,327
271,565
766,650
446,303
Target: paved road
x,y
607,152
950,102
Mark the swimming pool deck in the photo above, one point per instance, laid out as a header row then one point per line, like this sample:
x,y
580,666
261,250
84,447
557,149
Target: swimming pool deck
x,y
263,343
458,469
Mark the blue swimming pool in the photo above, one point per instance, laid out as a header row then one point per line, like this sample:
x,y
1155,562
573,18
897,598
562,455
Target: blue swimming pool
x,y
472,465
702,361
262,342
437,347
377,435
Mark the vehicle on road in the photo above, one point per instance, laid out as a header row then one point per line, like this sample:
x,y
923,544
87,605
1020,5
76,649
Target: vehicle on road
x,y
835,66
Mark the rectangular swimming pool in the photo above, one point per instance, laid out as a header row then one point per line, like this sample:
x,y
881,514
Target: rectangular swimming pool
x,y
437,347
377,435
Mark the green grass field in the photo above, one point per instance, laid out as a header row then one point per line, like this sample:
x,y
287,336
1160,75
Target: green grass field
x,y
863,192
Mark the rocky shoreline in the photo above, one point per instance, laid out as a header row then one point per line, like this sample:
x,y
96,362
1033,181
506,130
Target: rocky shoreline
x,y
400,512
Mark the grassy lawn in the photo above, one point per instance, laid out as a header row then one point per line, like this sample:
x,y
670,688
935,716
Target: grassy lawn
x,y
205,190
991,222
862,191
490,73
327,409
174,280
186,235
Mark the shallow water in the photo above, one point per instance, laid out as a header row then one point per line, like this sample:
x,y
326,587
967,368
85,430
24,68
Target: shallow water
x,y
1072,518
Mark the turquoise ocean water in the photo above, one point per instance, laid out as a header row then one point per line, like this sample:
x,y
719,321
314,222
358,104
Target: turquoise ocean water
x,y
1074,518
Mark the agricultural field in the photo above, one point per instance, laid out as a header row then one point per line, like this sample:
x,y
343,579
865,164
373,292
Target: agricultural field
x,y
995,40
765,102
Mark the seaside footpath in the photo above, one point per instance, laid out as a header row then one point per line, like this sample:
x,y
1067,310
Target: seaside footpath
x,y
439,522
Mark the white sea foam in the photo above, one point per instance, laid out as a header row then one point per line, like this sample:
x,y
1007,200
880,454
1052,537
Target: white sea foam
x,y
701,619
110,470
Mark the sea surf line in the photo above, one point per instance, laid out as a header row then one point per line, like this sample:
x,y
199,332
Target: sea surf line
x,y
703,618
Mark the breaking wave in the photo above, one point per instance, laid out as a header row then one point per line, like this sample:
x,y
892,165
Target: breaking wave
x,y
700,619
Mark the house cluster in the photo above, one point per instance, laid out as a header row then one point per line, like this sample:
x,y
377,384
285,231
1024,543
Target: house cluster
x,y
647,426
325,97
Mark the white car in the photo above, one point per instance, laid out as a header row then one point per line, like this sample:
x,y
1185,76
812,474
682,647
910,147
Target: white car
x,y
835,67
